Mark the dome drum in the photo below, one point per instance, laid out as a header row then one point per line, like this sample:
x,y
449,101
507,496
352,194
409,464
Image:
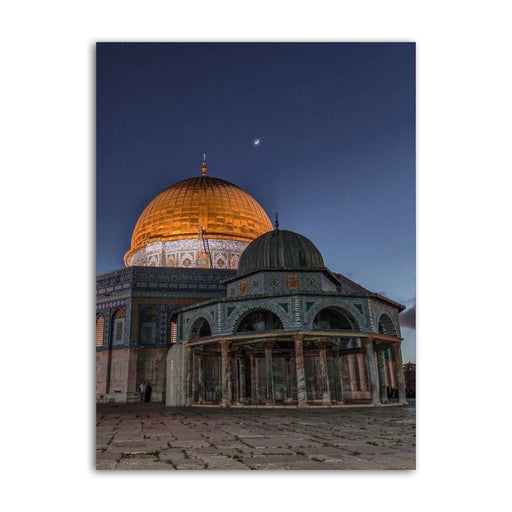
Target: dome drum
x,y
188,253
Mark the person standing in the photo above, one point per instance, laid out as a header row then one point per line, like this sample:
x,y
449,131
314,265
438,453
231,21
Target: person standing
x,y
148,392
142,391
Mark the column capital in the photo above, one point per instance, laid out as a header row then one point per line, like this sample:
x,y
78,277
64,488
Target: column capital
x,y
298,336
268,344
322,342
225,344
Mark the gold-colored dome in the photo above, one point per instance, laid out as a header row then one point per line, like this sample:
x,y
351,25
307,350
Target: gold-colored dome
x,y
218,208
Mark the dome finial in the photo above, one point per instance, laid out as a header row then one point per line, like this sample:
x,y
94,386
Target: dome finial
x,y
276,223
204,169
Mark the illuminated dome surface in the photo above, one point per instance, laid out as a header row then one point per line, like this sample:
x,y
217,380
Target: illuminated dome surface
x,y
197,208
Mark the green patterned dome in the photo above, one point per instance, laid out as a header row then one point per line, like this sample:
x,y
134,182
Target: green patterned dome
x,y
280,250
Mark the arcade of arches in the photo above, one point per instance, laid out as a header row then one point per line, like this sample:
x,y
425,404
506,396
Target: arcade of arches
x,y
262,364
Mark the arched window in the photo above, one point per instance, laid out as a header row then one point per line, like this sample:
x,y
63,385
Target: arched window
x,y
118,327
174,329
260,320
331,318
148,326
100,324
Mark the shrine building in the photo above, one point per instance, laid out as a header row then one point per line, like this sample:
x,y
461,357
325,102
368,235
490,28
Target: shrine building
x,y
216,306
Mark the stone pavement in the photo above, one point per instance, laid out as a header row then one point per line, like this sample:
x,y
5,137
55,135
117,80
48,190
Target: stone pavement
x,y
152,436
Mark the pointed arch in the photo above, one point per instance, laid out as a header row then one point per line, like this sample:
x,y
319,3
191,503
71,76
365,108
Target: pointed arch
x,y
260,319
100,327
148,322
200,328
243,312
354,319
386,325
118,327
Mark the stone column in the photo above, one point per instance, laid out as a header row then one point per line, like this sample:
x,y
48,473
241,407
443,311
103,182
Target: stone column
x,y
352,371
338,369
392,380
225,373
268,371
400,374
241,381
254,378
371,369
189,353
194,379
235,390
362,372
382,376
292,381
300,370
324,374
286,374
200,378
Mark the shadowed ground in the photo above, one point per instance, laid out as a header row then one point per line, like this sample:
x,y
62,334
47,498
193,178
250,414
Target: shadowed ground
x,y
151,436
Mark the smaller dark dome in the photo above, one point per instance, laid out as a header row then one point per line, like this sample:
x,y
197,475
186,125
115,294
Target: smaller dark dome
x,y
280,250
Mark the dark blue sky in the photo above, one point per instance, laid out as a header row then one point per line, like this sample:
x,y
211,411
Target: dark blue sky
x,y
336,159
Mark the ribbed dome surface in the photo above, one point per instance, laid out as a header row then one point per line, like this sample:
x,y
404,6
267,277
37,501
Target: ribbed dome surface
x,y
222,210
277,250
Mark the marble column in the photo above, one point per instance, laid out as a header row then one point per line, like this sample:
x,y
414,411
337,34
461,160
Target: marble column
x,y
269,374
370,359
400,374
362,372
235,391
292,382
225,373
200,378
352,372
382,376
286,374
241,382
392,372
300,370
193,391
338,369
189,360
324,374
254,378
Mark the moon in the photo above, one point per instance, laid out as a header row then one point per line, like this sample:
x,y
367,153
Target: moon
x,y
256,142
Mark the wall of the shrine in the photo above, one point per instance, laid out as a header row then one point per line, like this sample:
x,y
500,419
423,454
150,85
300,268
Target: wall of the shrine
x,y
101,372
123,374
116,375
151,367
176,376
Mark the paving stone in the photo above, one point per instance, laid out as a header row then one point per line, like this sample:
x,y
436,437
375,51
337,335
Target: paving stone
x,y
271,439
223,463
106,464
171,454
271,459
190,464
108,455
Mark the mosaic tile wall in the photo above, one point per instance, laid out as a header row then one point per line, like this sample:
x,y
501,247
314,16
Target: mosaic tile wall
x,y
190,253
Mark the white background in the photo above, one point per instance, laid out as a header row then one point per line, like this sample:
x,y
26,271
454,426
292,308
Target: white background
x,y
47,258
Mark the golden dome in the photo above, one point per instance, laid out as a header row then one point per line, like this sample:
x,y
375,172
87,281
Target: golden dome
x,y
218,208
